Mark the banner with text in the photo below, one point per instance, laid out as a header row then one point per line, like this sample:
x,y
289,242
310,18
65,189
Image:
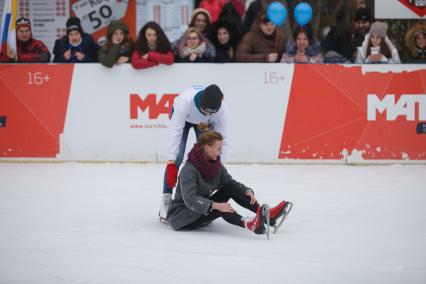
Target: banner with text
x,y
278,112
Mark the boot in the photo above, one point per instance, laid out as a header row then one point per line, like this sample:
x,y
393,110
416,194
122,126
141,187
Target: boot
x,y
279,213
259,224
164,207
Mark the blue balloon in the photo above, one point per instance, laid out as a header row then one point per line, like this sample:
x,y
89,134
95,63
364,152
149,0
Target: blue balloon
x,y
303,13
276,13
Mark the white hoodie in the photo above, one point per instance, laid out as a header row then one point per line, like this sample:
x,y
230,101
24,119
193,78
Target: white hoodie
x,y
185,110
361,56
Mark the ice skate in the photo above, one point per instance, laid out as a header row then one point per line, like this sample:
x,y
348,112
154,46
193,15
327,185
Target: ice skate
x,y
259,224
164,207
279,213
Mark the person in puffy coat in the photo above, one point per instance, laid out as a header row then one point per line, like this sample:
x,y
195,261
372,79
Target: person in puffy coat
x,y
76,46
118,46
377,47
263,43
152,47
29,49
205,187
415,40
304,49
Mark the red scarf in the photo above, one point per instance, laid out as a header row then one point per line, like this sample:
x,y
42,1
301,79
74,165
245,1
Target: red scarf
x,y
208,169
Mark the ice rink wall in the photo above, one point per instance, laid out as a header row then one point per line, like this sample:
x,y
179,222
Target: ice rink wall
x,y
278,112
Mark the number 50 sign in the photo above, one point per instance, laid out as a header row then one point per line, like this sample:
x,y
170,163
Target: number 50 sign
x,y
96,14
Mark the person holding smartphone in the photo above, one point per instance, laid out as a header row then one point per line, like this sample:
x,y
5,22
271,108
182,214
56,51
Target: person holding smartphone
x,y
304,49
377,47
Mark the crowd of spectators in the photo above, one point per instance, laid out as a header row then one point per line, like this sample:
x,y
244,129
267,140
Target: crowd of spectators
x,y
218,32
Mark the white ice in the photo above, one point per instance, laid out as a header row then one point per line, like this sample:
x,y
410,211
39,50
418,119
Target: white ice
x,y
97,223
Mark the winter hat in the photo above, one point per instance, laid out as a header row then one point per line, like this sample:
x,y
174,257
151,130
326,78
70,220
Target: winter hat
x,y
363,14
211,99
73,24
379,28
23,22
114,25
201,10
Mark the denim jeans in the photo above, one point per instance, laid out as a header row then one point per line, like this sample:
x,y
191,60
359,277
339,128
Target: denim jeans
x,y
182,147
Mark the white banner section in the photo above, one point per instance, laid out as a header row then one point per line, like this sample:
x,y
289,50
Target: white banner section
x,y
123,114
400,9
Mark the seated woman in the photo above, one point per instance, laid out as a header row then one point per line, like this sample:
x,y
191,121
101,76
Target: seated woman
x,y
118,46
194,47
152,48
377,48
415,39
225,39
304,49
263,43
29,49
76,46
205,187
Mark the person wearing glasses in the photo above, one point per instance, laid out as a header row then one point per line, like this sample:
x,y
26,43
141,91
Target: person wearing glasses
x,y
202,109
194,47
29,49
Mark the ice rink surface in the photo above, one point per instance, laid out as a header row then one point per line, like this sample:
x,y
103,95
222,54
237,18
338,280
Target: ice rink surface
x,y
97,223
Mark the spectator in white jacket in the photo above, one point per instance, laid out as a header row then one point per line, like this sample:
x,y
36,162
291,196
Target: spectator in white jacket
x,y
377,47
201,109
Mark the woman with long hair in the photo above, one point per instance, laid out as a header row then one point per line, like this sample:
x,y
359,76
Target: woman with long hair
x,y
205,187
377,47
118,46
225,39
263,43
304,48
152,47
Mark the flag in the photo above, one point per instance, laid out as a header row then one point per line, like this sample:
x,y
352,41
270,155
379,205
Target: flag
x,y
7,31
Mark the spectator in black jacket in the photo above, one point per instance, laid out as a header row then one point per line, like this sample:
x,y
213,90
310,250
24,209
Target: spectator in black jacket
x,y
76,46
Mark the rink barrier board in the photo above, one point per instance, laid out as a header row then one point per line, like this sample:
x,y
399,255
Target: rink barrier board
x,y
279,113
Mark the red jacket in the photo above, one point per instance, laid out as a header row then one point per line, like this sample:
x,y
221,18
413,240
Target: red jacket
x,y
154,58
214,7
32,51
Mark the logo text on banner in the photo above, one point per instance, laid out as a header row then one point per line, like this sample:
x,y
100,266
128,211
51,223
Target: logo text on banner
x,y
405,106
164,106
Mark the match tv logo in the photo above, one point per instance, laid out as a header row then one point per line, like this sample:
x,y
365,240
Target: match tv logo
x,y
405,106
149,104
417,6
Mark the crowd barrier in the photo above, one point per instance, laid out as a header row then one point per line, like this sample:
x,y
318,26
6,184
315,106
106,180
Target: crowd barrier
x,y
278,112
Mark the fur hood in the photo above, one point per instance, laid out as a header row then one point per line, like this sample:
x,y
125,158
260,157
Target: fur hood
x,y
410,35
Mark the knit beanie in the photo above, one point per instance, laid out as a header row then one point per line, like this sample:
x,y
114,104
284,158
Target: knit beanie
x,y
201,10
363,14
211,99
23,22
73,24
379,28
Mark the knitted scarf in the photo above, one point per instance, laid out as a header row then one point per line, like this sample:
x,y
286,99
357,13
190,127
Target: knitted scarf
x,y
199,50
208,169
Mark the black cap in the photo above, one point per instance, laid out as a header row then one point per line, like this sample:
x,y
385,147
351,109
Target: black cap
x,y
211,99
74,24
363,14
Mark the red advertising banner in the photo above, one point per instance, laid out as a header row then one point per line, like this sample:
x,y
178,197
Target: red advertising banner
x,y
33,106
334,110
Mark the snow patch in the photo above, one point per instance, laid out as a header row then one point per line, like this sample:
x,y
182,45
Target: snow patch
x,y
356,156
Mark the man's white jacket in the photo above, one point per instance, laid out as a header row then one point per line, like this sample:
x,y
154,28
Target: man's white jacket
x,y
185,110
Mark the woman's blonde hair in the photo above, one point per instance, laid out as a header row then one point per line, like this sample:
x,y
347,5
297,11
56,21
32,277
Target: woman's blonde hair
x,y
209,138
